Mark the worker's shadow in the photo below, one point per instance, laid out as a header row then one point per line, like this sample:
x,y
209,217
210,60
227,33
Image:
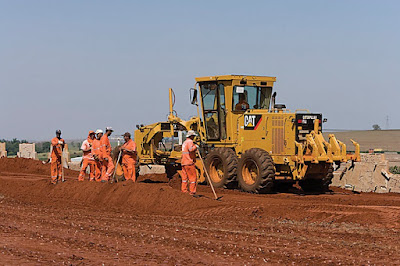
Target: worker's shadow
x,y
152,181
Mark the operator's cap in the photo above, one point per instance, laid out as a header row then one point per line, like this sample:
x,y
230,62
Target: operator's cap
x,y
191,133
98,131
91,132
127,134
109,129
58,131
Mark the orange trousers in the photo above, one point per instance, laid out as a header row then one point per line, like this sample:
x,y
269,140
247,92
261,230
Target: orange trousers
x,y
56,170
189,175
85,164
98,166
108,169
129,168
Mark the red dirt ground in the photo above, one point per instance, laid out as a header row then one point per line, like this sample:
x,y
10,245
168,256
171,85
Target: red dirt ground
x,y
152,222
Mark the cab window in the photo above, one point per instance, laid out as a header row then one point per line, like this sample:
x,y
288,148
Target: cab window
x,y
251,97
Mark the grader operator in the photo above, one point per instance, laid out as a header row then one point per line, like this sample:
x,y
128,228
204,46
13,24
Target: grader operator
x,y
246,139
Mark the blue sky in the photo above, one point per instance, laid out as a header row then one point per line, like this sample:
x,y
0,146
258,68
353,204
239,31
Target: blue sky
x,y
82,65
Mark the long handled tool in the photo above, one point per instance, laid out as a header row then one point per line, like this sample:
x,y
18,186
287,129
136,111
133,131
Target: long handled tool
x,y
116,165
62,166
208,176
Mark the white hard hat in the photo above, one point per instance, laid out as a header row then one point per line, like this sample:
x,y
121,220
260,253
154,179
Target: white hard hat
x,y
109,128
191,133
99,131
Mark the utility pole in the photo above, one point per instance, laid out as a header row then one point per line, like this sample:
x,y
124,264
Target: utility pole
x,y
387,122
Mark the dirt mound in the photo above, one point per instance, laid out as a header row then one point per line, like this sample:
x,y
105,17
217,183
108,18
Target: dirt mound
x,y
28,166
123,196
152,222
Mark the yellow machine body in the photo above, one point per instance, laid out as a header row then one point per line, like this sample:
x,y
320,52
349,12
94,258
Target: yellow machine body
x,y
238,112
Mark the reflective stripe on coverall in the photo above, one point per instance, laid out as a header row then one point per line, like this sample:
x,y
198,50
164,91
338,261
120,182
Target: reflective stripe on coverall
x,y
108,165
56,164
129,161
98,162
189,173
87,159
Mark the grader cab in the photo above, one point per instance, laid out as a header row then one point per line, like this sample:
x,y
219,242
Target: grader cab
x,y
247,139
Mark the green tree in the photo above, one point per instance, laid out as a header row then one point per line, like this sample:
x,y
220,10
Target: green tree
x,y
43,147
376,127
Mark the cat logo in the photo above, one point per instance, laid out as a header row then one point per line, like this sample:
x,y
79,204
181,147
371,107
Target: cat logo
x,y
251,122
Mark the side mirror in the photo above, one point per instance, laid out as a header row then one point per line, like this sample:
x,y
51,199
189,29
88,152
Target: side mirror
x,y
193,96
324,120
273,100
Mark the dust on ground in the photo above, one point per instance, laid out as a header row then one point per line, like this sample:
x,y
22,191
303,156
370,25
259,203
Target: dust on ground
x,y
152,222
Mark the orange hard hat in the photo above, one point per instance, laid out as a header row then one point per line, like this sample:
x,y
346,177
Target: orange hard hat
x,y
91,132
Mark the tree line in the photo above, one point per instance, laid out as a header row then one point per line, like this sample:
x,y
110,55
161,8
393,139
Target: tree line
x,y
12,146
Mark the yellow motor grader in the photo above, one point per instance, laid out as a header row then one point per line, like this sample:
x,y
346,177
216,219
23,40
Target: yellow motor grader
x,y
245,138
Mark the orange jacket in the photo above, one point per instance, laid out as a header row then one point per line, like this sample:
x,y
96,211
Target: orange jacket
x,y
87,149
188,152
105,146
96,148
128,157
57,148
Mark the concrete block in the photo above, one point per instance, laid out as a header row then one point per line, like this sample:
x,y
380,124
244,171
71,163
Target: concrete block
x,y
76,166
27,150
3,151
369,175
152,169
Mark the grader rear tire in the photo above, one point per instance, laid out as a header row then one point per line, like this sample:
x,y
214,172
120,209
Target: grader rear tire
x,y
256,171
221,164
320,184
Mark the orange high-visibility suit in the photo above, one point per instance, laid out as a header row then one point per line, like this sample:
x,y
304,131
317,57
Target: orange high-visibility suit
x,y
108,165
129,160
56,164
189,173
98,159
87,159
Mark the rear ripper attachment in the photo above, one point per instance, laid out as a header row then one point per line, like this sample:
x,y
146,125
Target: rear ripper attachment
x,y
314,152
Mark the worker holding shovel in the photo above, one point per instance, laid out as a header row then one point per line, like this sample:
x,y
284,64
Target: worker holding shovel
x,y
189,173
129,157
57,144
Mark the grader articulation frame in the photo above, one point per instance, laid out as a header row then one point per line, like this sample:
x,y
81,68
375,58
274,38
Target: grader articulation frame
x,y
246,138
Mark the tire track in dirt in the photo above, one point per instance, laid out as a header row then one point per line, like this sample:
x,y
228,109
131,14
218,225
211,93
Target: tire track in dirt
x,y
152,223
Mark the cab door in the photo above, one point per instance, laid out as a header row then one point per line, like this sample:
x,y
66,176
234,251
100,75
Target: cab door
x,y
214,110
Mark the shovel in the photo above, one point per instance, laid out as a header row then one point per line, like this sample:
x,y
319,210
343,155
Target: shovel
x,y
62,166
116,165
208,176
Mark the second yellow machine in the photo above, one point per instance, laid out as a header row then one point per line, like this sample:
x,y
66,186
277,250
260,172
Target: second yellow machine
x,y
246,139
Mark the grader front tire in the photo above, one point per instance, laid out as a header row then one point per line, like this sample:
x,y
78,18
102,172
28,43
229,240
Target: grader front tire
x,y
256,171
221,164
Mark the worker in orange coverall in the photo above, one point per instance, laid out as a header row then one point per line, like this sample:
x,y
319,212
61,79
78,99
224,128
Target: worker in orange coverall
x,y
97,155
189,173
108,165
129,157
57,144
87,158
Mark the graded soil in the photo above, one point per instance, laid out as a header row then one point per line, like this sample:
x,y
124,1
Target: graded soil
x,y
152,222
